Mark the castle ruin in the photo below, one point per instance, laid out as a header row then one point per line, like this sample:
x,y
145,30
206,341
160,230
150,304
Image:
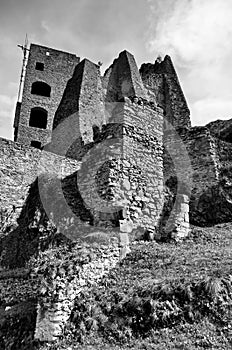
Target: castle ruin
x,y
114,154
121,147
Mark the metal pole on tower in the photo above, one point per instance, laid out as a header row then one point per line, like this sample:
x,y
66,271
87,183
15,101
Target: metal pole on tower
x,y
25,50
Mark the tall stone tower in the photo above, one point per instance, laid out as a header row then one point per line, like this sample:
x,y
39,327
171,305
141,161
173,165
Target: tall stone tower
x,y
46,76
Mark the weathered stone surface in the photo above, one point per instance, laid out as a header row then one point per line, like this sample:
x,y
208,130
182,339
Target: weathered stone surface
x,y
122,79
21,165
162,82
140,169
58,68
81,108
52,317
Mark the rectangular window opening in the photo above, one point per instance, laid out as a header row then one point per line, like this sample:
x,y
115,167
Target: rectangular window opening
x,y
39,66
36,144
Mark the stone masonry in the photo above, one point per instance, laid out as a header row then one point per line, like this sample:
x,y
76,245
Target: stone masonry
x,y
119,159
54,68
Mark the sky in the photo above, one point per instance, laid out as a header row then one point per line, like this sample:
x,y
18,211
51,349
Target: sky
x,y
195,33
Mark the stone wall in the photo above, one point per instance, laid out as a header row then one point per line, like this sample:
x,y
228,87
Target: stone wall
x,y
122,79
221,129
58,68
55,303
162,80
204,158
21,165
80,112
191,168
122,175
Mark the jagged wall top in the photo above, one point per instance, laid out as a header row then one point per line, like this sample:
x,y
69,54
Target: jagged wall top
x,y
91,98
161,80
122,79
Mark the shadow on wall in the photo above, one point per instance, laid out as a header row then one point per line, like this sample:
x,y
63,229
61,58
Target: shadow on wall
x,y
212,207
23,242
54,213
36,231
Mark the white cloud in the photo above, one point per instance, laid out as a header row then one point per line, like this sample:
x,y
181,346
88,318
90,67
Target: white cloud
x,y
6,115
205,110
197,35
196,31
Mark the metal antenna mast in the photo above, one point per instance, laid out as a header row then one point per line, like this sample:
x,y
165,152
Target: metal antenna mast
x,y
25,50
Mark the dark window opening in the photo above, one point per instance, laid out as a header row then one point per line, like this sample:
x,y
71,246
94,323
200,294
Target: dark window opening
x,y
41,88
39,66
16,133
38,118
96,133
36,144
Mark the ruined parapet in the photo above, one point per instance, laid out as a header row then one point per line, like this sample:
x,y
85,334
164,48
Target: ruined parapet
x,y
122,79
161,80
81,109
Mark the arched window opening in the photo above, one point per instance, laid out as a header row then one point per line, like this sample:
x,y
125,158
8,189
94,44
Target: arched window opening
x,y
38,118
41,88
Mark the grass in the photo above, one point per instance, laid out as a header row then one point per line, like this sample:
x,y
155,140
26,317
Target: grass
x,y
161,296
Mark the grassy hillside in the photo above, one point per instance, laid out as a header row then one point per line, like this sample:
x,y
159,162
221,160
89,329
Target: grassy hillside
x,y
162,296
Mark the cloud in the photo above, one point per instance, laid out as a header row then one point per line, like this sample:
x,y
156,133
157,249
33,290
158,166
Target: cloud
x,y
205,110
196,33
98,30
6,115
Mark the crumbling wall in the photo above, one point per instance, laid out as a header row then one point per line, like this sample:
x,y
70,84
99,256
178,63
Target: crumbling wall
x,y
202,151
143,164
21,165
122,175
122,79
55,302
161,78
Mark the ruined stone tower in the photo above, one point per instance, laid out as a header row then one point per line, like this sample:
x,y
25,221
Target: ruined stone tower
x,y
47,73
114,126
117,161
117,135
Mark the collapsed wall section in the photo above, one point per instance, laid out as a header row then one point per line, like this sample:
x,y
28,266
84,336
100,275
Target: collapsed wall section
x,y
161,80
122,79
